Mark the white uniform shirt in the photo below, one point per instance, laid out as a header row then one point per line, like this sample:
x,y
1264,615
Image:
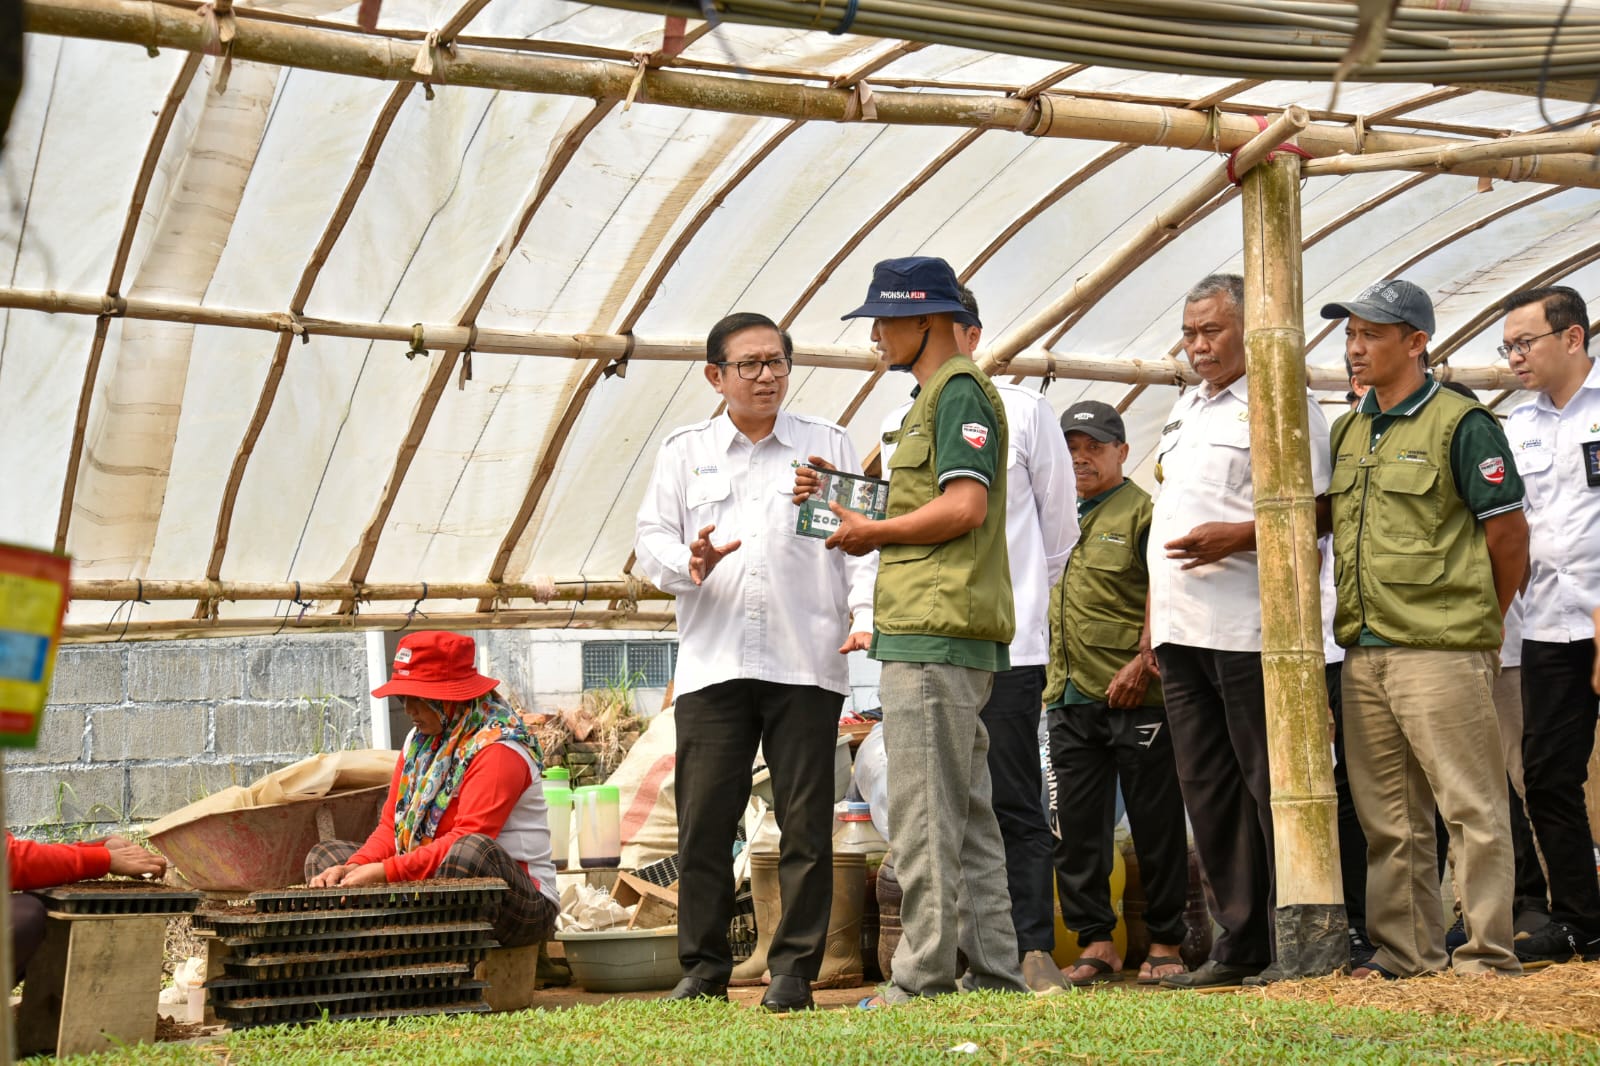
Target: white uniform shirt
x,y
1041,512
1511,647
1331,652
778,607
1204,462
1563,512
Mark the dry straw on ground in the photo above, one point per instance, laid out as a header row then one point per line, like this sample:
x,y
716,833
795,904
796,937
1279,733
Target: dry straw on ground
x,y
1565,997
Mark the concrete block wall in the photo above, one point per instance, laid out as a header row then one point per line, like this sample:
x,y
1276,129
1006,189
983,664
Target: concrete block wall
x,y
134,731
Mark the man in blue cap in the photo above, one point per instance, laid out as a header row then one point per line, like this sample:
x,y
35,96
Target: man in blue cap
x,y
943,622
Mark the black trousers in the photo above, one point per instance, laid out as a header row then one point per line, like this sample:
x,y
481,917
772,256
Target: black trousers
x,y
1558,720
719,728
1217,712
1352,841
1091,745
1012,718
27,932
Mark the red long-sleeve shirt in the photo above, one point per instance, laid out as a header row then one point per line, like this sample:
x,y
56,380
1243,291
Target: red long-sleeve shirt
x,y
495,780
35,865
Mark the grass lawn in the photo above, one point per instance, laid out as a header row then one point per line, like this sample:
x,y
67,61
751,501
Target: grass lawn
x,y
1078,1027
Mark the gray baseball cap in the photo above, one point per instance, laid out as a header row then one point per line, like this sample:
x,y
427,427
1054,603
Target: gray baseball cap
x,y
1388,301
1098,420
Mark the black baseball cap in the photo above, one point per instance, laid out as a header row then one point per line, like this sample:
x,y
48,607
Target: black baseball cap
x,y
914,285
1098,420
1388,301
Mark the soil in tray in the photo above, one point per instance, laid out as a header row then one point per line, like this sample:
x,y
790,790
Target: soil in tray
x,y
149,888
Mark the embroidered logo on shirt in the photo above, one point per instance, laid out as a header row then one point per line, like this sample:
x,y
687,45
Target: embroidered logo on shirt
x,y
975,434
1412,457
1594,428
699,470
1243,416
1170,426
1113,538
1493,470
1538,442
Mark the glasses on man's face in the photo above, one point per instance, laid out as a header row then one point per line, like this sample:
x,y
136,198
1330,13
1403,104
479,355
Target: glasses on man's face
x,y
750,369
1524,346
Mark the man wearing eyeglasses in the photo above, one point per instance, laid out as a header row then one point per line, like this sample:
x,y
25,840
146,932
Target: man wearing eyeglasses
x,y
1556,438
765,618
1429,546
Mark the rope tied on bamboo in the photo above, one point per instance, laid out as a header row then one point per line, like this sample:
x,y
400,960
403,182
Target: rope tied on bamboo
x,y
466,358
642,61
620,366
544,589
112,306
860,106
289,322
416,608
419,345
138,597
1262,124
220,32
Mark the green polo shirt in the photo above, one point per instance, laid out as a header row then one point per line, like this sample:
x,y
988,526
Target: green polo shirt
x,y
961,404
1477,448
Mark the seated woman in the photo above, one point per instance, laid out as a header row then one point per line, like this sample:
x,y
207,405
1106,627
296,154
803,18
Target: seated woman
x,y
35,865
467,799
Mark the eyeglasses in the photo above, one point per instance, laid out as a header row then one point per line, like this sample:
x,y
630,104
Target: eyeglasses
x,y
1523,347
751,369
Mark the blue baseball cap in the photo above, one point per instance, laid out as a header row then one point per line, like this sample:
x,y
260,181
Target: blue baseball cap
x,y
914,285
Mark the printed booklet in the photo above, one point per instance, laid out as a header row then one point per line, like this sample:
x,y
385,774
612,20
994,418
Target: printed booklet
x,y
869,495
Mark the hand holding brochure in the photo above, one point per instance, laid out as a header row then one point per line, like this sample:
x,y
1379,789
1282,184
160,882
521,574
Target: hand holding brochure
x,y
856,492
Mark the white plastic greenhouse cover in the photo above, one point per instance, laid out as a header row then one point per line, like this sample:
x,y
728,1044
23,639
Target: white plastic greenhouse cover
x,y
247,179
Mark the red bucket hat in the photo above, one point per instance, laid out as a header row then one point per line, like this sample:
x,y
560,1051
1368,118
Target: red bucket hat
x,y
436,666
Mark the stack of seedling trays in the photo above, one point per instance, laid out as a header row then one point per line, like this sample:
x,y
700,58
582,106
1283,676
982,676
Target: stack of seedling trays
x,y
381,951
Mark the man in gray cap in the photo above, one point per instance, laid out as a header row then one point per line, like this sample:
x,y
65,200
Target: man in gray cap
x,y
1429,546
943,620
1106,715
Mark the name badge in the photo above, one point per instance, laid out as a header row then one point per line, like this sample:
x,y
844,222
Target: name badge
x,y
1591,462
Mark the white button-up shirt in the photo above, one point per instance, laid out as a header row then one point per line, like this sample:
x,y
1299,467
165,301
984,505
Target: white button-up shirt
x,y
1204,464
1563,512
1041,512
777,608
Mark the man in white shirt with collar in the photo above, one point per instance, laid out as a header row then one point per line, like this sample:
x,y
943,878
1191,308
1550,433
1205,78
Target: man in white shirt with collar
x,y
1205,629
1041,529
765,618
1555,439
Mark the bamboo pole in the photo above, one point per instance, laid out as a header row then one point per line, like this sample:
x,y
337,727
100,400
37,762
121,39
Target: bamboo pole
x,y
1311,923
610,346
1447,159
196,628
579,590
1093,284
157,25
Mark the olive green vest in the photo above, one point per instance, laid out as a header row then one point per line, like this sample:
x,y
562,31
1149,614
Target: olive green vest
x,y
961,588
1411,562
1097,608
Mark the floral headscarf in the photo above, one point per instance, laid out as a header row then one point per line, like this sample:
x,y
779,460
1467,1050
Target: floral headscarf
x,y
434,766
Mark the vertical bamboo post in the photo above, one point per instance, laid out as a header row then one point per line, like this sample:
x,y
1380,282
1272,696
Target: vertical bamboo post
x,y
1310,919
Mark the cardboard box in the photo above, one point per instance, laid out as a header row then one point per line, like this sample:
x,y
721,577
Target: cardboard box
x,y
657,906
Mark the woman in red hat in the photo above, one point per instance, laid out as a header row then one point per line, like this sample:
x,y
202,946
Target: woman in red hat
x,y
467,799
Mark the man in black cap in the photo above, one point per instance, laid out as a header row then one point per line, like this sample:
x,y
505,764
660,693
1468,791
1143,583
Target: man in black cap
x,y
943,620
1429,545
1106,715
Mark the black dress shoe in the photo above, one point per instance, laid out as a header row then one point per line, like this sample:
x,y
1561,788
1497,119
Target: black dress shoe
x,y
788,992
1212,974
699,988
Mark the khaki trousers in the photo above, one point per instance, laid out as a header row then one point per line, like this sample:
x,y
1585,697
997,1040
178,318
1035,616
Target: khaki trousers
x,y
1420,728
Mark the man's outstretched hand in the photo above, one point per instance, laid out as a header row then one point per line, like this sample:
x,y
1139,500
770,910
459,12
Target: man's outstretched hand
x,y
704,556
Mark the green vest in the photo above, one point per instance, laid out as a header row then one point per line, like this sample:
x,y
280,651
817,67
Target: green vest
x,y
961,588
1411,562
1097,608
